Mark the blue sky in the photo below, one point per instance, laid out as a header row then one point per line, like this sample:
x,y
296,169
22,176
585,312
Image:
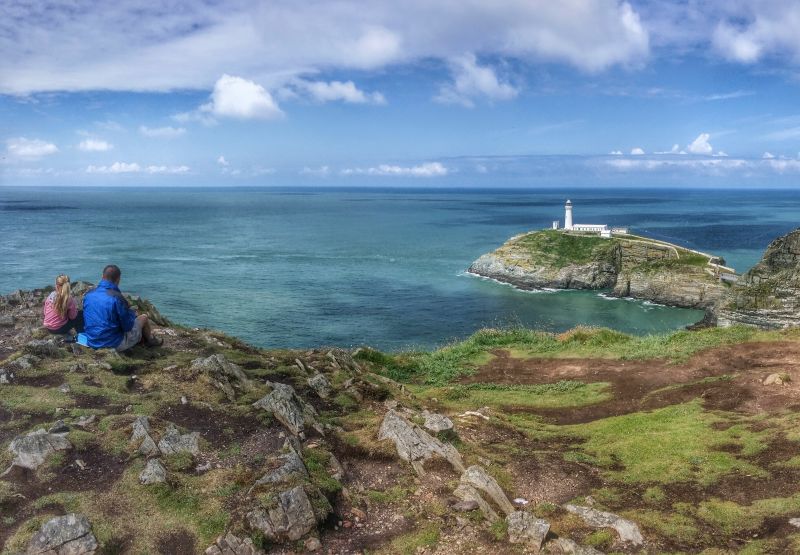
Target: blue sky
x,y
450,93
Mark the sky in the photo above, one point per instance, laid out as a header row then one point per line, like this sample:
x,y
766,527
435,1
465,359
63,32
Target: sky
x,y
437,93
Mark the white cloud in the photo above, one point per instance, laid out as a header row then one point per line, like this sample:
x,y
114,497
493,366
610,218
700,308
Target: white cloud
x,y
674,150
235,97
95,145
701,145
636,151
29,149
222,161
428,169
616,153
768,156
322,171
329,91
146,47
133,167
472,81
721,154
759,29
167,132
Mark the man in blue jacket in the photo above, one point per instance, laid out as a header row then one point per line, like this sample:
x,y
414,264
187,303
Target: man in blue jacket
x,y
109,322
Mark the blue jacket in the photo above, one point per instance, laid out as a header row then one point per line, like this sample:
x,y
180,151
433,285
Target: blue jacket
x,y
107,316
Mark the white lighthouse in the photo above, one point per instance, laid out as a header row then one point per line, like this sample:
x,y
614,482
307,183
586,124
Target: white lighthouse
x,y
568,215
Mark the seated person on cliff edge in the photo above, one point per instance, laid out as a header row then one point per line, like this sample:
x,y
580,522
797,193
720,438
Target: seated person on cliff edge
x,y
109,322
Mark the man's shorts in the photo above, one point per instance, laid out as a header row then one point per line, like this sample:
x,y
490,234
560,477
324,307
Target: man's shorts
x,y
131,338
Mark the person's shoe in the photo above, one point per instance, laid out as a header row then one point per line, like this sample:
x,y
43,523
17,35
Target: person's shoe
x,y
155,342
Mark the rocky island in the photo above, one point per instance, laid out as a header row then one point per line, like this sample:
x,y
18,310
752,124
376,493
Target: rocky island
x,y
512,441
627,265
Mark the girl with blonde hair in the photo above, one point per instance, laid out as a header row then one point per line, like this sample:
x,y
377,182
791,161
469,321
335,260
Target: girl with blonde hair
x,y
61,312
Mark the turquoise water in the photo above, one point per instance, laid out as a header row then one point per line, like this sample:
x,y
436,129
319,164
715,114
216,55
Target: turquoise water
x,y
310,267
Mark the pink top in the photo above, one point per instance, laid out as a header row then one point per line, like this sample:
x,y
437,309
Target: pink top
x,y
52,319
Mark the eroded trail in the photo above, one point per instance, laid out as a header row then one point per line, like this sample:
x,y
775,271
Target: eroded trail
x,y
727,378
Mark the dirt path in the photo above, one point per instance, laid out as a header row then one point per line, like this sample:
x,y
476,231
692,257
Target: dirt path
x,y
640,384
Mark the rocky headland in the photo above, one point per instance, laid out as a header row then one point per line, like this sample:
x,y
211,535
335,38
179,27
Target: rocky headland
x,y
516,441
628,266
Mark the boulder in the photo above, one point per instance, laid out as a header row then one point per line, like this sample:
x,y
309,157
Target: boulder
x,y
628,531
523,527
85,421
775,379
70,534
477,477
232,545
437,422
320,384
290,465
470,495
44,348
6,376
140,428
414,444
291,518
59,428
31,450
290,410
174,442
153,473
225,375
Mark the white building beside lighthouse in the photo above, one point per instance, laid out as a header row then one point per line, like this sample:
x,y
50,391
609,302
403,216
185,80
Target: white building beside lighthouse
x,y
601,229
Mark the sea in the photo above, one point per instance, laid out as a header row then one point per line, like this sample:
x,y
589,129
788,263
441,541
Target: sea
x,y
385,267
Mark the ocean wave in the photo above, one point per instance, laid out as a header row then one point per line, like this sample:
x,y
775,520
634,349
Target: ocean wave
x,y
538,291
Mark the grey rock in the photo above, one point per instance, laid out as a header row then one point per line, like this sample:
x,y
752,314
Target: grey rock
x,y
437,422
523,527
65,388
85,421
290,520
7,320
628,531
414,444
565,546
6,376
465,506
174,442
70,534
225,375
470,495
31,450
153,473
320,384
140,428
773,379
25,362
59,428
477,477
294,413
45,348
290,465
795,522
229,544
312,544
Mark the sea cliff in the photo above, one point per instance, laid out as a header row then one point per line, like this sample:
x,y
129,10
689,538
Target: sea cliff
x,y
630,266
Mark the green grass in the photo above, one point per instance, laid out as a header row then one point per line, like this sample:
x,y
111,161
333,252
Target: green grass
x,y
733,519
563,394
560,249
426,536
672,444
464,357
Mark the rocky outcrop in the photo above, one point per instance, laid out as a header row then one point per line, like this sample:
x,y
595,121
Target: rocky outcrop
x,y
153,473
64,535
630,267
628,531
768,295
290,410
291,517
225,375
31,450
477,477
525,528
174,442
414,444
229,544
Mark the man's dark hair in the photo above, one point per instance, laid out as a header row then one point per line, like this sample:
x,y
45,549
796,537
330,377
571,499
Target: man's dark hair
x,y
112,273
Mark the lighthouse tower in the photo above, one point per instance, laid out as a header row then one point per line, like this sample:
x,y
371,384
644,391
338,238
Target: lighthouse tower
x,y
568,215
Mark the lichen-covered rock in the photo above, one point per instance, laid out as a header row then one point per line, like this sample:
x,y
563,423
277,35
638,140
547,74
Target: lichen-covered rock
x,y
225,375
477,477
31,450
565,546
174,442
768,295
523,527
291,518
437,422
414,444
153,473
230,544
470,495
45,348
289,466
290,410
320,384
70,534
628,531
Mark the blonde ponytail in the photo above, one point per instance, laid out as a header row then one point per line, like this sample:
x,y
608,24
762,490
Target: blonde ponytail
x,y
63,294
